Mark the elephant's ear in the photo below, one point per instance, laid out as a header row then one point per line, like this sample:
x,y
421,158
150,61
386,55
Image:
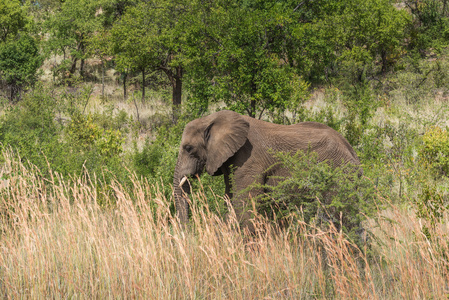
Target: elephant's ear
x,y
224,136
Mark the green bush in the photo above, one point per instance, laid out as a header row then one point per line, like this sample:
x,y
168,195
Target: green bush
x,y
435,150
146,161
30,129
85,135
82,132
322,194
19,62
156,161
431,25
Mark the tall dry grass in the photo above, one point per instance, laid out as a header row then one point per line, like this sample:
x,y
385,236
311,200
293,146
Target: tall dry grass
x,y
56,241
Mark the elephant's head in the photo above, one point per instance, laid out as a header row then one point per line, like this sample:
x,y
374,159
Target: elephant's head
x,y
206,144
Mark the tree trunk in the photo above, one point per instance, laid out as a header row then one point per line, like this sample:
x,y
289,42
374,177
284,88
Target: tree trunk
x,y
82,68
383,55
143,85
81,50
11,94
253,108
102,79
124,86
252,112
177,93
73,66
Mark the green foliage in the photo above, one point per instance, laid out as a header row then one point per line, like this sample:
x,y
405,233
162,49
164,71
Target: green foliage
x,y
131,39
169,138
235,54
375,31
110,143
19,61
12,19
388,153
360,104
68,29
29,128
157,159
312,46
149,37
82,132
320,193
146,161
435,150
356,63
86,135
430,27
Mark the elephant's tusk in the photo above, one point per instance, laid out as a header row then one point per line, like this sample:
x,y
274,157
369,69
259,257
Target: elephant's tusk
x,y
183,180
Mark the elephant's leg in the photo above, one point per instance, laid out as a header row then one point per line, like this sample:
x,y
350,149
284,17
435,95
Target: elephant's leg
x,y
248,186
228,190
228,183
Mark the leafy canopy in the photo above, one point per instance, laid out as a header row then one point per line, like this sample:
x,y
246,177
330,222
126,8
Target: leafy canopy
x,y
12,19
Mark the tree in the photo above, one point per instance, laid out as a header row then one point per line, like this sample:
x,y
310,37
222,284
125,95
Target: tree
x,y
376,26
132,43
430,24
100,46
310,39
148,37
19,55
239,47
19,61
68,29
12,19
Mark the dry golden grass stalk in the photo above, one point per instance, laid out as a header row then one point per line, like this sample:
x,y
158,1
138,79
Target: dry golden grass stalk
x,y
57,242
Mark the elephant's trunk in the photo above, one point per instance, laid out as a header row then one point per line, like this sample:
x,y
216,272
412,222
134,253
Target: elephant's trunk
x,y
180,190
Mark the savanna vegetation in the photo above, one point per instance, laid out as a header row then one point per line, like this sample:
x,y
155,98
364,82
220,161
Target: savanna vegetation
x,y
95,95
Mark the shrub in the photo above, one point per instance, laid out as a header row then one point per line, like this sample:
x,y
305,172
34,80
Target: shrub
x,y
110,143
361,105
156,161
323,194
146,161
30,129
82,132
86,135
435,150
19,62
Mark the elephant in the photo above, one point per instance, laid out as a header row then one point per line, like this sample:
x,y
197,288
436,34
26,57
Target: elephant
x,y
225,143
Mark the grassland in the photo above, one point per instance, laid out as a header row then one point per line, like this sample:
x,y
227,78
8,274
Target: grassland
x,y
58,242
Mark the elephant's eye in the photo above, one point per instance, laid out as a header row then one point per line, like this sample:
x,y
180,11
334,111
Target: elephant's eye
x,y
188,148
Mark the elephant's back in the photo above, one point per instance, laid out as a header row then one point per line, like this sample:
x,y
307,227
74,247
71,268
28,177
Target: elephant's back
x,y
326,141
313,125
336,147
314,136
